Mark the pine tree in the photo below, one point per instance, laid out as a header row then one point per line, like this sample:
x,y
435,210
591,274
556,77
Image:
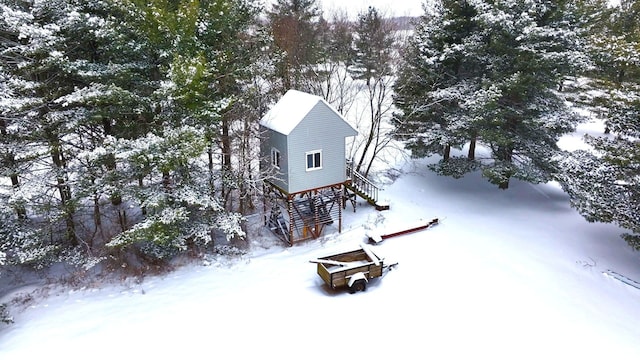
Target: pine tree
x,y
493,80
234,44
373,45
179,214
441,73
36,129
295,25
196,61
603,183
118,100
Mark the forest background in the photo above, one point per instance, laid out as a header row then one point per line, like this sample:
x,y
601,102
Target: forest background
x,y
129,129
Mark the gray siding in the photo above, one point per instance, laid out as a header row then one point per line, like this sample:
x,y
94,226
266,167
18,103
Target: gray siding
x,y
273,139
322,130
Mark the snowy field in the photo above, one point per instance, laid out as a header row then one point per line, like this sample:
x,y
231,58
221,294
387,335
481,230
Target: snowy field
x,y
513,274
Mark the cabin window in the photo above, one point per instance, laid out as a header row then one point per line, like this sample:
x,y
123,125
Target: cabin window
x,y
314,160
275,158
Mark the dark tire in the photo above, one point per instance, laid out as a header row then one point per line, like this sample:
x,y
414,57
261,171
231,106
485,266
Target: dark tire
x,y
359,285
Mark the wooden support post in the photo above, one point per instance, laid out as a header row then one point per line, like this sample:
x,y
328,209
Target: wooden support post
x,y
340,190
308,211
264,203
291,219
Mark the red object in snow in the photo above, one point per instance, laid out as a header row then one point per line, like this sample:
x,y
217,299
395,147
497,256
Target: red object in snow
x,y
378,238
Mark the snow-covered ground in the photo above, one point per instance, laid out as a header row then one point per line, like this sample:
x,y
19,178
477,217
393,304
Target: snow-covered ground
x,y
507,274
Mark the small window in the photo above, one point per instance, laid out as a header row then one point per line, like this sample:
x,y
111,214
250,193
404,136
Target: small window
x,y
314,160
275,158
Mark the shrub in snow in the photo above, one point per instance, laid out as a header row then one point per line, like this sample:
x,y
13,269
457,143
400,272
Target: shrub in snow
x,y
4,314
21,243
228,250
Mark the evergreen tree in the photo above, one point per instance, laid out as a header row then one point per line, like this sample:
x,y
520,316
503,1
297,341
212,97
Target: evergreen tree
x,y
195,61
295,25
441,73
523,116
373,46
36,130
115,103
604,183
234,44
494,79
178,212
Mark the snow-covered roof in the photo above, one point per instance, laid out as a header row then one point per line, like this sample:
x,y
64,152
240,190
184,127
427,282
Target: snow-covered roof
x,y
289,111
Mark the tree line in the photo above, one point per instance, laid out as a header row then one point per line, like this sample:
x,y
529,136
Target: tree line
x,y
509,77
128,128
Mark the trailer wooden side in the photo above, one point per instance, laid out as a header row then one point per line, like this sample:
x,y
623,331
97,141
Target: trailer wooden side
x,y
324,273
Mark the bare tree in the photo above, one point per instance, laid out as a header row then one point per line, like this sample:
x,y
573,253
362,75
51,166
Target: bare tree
x,y
372,64
333,82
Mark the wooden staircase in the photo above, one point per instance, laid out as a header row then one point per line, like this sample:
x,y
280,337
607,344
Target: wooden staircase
x,y
363,187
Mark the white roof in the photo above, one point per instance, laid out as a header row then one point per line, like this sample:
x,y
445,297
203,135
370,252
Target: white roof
x,y
289,111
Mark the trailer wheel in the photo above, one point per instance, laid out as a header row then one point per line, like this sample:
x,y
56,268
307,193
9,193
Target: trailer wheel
x,y
359,285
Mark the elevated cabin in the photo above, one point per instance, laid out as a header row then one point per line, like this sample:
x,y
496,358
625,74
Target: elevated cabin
x,y
304,147
305,142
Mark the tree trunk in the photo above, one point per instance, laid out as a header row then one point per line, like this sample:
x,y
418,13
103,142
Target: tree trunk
x,y
63,188
122,219
143,209
226,157
446,153
97,220
244,201
472,148
365,150
211,165
505,154
21,211
375,106
110,162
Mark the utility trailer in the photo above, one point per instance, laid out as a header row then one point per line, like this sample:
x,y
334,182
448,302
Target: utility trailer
x,y
352,269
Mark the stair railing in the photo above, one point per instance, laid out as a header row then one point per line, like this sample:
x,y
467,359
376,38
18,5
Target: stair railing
x,y
361,183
